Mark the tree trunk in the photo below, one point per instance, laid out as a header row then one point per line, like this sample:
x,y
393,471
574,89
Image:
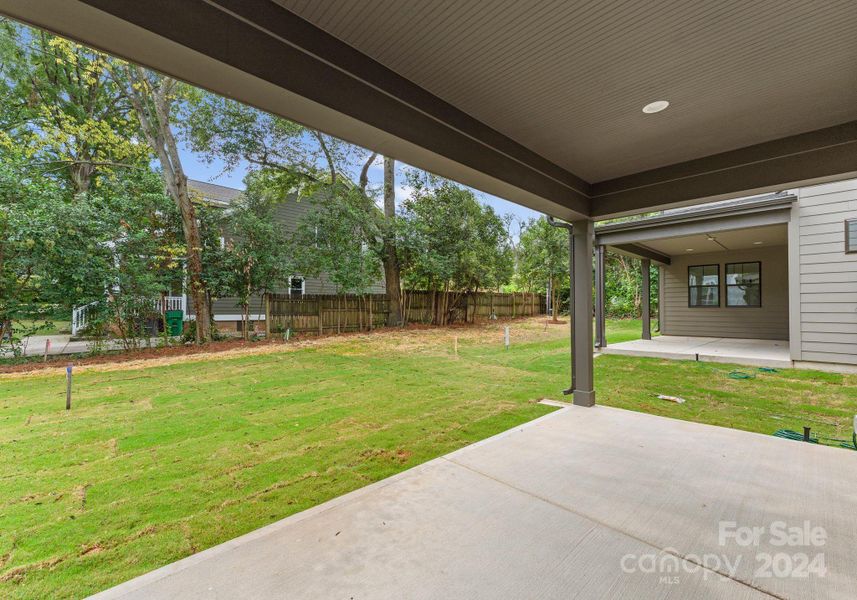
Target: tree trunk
x,y
194,259
555,316
390,257
151,97
81,176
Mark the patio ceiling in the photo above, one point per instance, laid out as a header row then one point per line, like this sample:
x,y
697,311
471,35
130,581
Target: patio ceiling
x,y
738,239
538,102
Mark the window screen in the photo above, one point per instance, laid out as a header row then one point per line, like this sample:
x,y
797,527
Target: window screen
x,y
744,284
703,285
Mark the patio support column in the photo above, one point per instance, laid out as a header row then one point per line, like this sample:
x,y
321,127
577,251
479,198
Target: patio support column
x,y
646,295
600,337
581,245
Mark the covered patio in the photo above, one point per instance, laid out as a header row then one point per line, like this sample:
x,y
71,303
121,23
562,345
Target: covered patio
x,y
582,503
751,352
585,112
724,282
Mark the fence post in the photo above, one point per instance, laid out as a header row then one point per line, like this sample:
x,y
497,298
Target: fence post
x,y
319,299
267,316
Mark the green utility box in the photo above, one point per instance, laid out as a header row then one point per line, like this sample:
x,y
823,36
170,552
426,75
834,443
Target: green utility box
x,y
175,321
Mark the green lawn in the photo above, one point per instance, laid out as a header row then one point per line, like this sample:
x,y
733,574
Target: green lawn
x,y
153,464
45,328
626,330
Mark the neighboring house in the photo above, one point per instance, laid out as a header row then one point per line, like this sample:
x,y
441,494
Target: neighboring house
x,y
226,311
775,267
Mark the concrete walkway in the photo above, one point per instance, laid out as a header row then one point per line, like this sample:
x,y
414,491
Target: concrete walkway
x,y
757,353
583,503
62,344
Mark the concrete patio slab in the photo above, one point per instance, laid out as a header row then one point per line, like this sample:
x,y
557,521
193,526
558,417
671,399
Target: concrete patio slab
x,y
583,503
752,352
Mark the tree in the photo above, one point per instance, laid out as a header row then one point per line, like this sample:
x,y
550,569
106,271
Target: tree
x,y
543,258
114,246
624,287
23,218
254,255
63,107
292,161
153,97
77,185
449,242
329,241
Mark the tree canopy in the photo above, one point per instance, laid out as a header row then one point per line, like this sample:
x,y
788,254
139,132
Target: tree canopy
x,y
448,240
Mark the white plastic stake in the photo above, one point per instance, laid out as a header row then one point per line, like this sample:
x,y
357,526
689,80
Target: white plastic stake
x,y
506,336
47,348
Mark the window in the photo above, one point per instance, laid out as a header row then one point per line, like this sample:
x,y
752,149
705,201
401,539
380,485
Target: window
x,y
744,284
851,236
703,285
296,286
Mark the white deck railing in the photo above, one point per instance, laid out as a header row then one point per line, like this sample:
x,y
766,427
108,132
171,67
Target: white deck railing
x,y
80,315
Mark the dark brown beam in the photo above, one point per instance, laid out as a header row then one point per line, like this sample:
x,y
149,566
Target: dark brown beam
x,y
638,251
804,159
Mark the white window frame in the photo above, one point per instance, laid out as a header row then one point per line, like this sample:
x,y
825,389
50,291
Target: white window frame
x,y
849,249
303,284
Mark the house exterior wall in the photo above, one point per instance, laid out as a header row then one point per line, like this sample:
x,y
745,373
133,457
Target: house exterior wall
x,y
770,321
825,276
288,214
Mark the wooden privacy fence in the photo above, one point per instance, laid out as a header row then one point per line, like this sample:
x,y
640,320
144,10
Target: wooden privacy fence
x,y
318,313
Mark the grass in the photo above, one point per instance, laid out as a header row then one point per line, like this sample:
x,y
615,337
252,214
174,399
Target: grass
x,y
155,463
45,327
625,330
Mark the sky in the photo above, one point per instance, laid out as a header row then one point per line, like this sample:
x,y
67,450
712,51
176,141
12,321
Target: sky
x,y
197,168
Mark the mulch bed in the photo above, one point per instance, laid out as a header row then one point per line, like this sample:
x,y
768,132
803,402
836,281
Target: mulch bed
x,y
122,356
126,356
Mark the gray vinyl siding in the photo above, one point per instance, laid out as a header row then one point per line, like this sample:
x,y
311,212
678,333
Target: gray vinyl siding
x,y
288,214
770,321
827,276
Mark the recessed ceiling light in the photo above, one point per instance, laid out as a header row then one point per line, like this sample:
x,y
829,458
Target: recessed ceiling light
x,y
689,249
757,243
655,107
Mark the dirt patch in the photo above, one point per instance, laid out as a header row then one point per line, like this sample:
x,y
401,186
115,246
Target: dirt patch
x,y
18,573
80,494
399,455
93,549
143,354
413,338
